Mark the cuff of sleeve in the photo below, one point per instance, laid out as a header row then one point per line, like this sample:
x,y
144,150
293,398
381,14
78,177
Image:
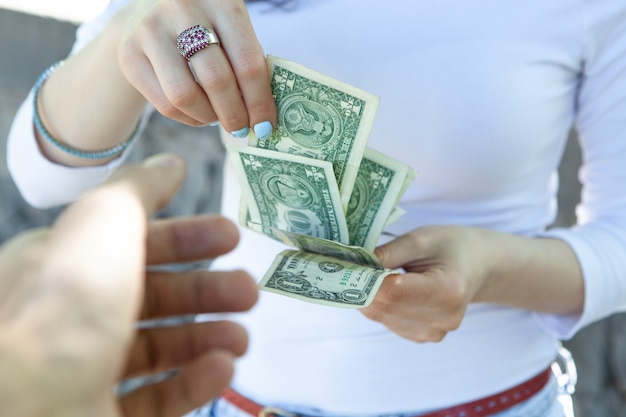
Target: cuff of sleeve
x,y
42,183
601,298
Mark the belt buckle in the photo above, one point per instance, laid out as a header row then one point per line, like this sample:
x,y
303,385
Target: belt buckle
x,y
276,412
564,369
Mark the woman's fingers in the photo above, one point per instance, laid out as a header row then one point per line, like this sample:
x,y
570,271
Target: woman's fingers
x,y
403,250
170,89
228,81
216,78
420,307
246,58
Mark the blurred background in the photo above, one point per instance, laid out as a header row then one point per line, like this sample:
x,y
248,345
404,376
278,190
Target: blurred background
x,y
36,33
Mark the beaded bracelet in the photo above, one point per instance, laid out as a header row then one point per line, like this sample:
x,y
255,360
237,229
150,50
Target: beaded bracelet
x,y
106,153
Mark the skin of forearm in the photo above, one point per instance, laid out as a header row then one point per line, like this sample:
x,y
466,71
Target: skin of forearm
x,y
88,104
539,274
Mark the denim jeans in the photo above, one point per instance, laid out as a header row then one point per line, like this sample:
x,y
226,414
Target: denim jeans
x,y
543,404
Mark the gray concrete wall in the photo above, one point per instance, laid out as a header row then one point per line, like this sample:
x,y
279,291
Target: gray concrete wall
x,y
41,42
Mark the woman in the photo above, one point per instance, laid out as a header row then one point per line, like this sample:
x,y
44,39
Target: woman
x,y
479,98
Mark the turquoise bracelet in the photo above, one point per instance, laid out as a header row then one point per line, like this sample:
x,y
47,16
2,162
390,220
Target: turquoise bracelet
x,y
106,153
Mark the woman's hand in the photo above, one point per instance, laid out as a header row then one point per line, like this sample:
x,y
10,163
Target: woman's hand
x,y
232,83
94,100
444,270
448,267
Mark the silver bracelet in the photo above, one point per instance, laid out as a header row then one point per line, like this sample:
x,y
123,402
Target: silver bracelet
x,y
106,153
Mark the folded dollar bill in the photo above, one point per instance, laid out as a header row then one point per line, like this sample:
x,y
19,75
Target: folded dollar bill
x,y
379,184
320,117
323,280
316,186
290,192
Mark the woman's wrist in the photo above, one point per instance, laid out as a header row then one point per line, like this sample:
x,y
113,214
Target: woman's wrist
x,y
87,104
44,133
532,273
504,256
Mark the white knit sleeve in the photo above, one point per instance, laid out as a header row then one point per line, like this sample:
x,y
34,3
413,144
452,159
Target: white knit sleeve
x,y
599,237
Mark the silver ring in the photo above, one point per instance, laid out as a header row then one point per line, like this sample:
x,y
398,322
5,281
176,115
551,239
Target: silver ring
x,y
193,39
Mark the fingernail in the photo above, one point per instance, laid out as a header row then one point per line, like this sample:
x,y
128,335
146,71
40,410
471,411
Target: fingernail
x,y
241,133
263,130
164,160
214,124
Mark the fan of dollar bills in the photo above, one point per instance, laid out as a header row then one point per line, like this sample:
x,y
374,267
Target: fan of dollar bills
x,y
316,186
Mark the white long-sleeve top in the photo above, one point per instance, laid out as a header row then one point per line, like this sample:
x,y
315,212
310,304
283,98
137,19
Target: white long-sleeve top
x,y
477,96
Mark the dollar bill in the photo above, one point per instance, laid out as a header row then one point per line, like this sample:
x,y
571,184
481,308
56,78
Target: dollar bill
x,y
289,192
323,280
320,117
380,183
353,254
314,185
395,215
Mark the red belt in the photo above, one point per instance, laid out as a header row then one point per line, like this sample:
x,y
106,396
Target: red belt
x,y
480,408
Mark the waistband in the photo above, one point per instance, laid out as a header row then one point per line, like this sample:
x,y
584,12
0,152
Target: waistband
x,y
480,408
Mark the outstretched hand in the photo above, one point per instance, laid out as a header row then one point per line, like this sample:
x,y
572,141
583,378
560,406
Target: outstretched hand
x,y
70,297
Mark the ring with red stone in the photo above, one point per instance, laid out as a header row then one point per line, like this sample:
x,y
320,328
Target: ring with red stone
x,y
193,39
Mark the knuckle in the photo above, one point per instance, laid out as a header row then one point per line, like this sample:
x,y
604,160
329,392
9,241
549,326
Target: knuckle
x,y
425,336
214,78
393,289
455,295
451,322
373,312
382,253
149,24
179,95
437,336
236,8
165,107
251,65
419,336
129,56
418,238
234,121
239,8
453,318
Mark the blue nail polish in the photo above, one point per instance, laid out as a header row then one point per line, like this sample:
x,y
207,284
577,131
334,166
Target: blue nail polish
x,y
241,133
263,130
